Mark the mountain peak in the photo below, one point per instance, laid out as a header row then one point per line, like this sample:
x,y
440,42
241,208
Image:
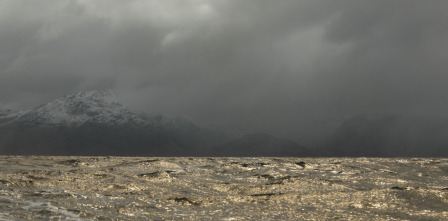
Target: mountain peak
x,y
94,94
96,106
84,101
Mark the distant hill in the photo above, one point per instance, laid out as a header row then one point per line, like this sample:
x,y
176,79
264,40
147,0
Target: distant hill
x,y
390,135
261,145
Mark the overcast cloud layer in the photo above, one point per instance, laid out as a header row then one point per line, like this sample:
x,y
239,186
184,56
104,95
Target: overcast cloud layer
x,y
255,64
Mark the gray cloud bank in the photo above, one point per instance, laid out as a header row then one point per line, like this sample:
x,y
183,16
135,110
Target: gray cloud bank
x,y
265,65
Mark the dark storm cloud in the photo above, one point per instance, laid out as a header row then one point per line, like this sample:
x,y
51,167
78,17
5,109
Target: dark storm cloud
x,y
395,60
260,64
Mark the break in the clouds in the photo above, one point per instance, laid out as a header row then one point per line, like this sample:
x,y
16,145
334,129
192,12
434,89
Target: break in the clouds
x,y
270,64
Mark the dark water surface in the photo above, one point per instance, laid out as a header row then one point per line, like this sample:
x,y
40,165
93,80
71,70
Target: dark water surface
x,y
136,188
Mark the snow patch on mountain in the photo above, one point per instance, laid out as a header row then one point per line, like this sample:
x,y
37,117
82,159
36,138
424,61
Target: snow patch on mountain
x,y
5,112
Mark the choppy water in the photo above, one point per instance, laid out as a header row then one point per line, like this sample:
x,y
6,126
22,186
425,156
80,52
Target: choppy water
x,y
128,188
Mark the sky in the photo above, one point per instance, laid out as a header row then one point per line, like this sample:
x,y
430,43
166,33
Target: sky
x,y
256,64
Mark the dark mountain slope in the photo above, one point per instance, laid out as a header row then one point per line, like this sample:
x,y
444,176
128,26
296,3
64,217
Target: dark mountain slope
x,y
96,123
390,136
261,145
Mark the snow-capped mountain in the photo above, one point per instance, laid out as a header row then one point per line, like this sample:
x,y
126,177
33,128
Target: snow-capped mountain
x,y
90,107
77,109
96,123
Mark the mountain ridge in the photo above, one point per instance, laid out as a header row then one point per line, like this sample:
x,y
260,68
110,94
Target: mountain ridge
x,y
97,123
